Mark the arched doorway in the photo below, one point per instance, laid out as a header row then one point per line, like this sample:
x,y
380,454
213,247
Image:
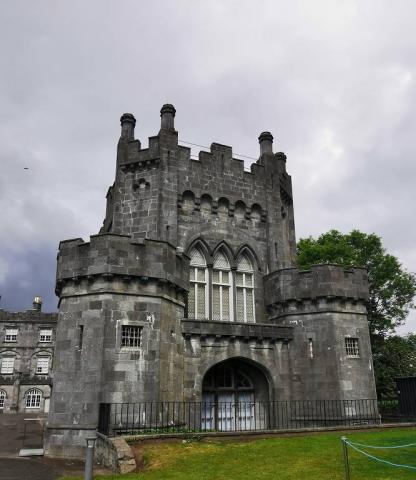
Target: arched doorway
x,y
234,396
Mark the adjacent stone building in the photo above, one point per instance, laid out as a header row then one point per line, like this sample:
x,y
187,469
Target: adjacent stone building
x,y
190,292
26,359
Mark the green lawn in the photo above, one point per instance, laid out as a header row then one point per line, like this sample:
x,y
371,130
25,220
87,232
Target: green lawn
x,y
313,456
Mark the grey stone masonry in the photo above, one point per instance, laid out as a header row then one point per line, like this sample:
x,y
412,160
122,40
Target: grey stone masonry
x,y
190,292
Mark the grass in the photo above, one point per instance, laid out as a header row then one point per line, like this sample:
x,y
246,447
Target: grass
x,y
312,457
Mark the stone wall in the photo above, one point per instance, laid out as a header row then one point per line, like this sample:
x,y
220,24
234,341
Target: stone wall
x,y
114,453
136,273
324,305
140,284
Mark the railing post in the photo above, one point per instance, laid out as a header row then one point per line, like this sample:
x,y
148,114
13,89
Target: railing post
x,y
345,454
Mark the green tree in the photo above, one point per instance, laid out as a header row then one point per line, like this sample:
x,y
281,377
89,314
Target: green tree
x,y
392,287
393,357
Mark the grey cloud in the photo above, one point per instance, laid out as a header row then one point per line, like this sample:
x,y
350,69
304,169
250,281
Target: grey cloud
x,y
333,81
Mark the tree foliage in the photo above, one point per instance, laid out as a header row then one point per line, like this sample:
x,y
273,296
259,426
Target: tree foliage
x,y
392,287
393,357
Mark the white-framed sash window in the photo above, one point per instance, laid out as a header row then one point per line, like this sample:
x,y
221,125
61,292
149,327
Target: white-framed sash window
x,y
42,365
7,365
45,335
11,335
33,398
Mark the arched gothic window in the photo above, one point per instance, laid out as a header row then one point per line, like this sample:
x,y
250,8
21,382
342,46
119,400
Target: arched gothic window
x,y
244,290
221,288
219,293
198,292
2,399
33,398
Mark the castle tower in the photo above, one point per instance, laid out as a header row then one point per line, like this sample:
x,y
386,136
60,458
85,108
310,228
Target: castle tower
x,y
191,279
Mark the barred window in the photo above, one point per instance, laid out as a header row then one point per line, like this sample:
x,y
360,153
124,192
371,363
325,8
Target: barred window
x,y
11,335
198,292
131,336
221,288
45,335
351,347
2,399
245,290
42,365
7,365
33,398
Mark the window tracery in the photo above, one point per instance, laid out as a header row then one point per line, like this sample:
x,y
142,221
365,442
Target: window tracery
x,y
198,292
221,293
221,283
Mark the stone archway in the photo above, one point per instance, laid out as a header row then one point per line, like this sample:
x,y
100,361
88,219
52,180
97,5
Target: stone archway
x,y
235,396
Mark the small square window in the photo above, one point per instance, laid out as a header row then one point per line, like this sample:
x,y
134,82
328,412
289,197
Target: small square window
x,y
45,335
11,335
351,347
131,336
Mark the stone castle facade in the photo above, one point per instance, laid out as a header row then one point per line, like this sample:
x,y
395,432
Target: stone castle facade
x,y
190,292
27,341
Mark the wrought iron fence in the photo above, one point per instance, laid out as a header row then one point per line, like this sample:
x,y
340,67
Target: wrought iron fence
x,y
175,417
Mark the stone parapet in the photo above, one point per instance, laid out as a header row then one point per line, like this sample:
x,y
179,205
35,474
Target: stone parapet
x,y
321,281
28,316
111,255
206,328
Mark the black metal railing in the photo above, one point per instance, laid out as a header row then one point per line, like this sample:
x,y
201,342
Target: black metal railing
x,y
398,409
200,417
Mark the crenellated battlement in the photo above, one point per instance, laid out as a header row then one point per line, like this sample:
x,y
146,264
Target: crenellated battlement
x,y
321,281
217,170
165,192
112,255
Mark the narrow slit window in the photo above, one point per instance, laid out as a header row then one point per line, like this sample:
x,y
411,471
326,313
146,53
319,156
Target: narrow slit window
x,y
310,343
80,336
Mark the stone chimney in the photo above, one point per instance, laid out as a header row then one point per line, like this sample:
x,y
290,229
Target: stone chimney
x,y
266,143
167,114
37,304
128,122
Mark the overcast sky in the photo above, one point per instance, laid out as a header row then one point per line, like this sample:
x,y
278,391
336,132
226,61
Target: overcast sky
x,y
334,81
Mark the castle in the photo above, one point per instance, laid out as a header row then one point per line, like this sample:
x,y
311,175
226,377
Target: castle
x,y
190,292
